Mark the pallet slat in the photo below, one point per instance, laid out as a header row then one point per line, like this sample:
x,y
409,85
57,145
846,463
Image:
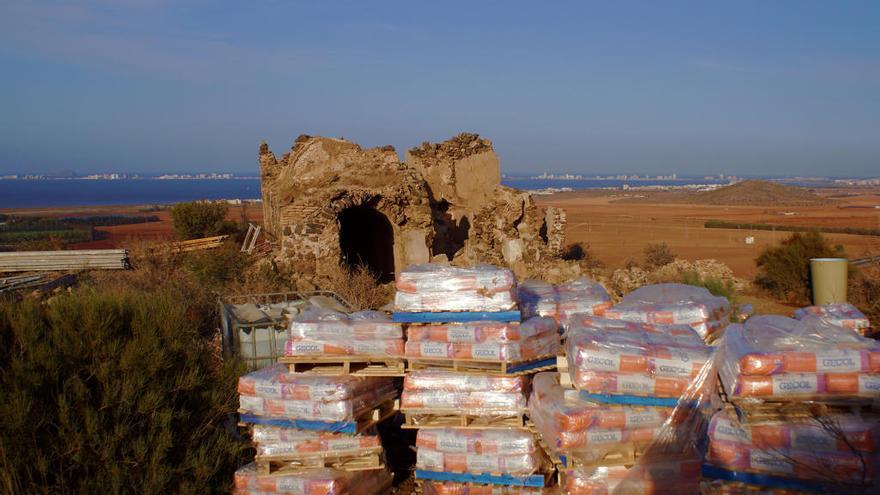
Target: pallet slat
x,y
448,418
352,460
346,365
483,366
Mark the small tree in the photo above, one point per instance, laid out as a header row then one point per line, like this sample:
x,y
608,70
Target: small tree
x,y
784,270
200,219
657,255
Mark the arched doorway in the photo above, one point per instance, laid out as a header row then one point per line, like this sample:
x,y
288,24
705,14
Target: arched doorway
x,y
366,238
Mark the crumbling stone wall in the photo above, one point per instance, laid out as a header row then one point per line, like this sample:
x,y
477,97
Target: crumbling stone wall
x,y
445,203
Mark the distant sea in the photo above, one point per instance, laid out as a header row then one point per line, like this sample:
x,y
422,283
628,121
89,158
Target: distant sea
x,y
81,192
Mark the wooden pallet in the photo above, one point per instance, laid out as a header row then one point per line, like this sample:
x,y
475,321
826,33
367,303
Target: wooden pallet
x,y
346,460
453,418
483,366
793,409
345,365
365,419
536,481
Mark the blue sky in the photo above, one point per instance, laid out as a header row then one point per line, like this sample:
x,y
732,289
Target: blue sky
x,y
779,88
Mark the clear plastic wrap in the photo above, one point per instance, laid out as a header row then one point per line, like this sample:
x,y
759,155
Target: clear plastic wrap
x,y
841,314
275,393
674,304
542,345
458,440
436,277
321,332
312,482
473,451
581,296
323,324
437,288
275,440
828,449
465,402
452,488
450,381
468,393
661,477
275,382
724,487
589,429
778,358
607,358
481,331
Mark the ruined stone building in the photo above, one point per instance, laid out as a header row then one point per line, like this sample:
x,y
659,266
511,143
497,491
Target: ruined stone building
x,y
329,201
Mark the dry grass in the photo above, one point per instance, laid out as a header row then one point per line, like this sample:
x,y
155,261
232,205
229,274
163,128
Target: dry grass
x,y
358,286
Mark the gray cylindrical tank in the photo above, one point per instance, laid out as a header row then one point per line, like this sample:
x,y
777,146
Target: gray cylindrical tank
x,y
829,280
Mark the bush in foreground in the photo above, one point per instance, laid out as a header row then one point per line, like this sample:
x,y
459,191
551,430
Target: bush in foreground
x,y
113,392
657,255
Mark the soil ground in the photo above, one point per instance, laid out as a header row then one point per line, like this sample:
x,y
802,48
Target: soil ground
x,y
617,229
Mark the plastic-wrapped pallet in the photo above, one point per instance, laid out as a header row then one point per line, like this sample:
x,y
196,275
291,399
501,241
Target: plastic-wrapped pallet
x,y
459,450
453,488
827,449
778,358
321,332
312,482
676,477
276,440
841,314
534,338
273,392
674,304
609,357
465,393
438,288
581,296
586,430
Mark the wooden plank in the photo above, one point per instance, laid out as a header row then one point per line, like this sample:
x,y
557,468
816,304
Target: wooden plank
x,y
64,260
452,418
345,365
353,460
483,366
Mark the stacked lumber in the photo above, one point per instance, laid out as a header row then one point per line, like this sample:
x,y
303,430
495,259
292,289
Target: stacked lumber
x,y
799,413
469,359
199,244
41,281
91,259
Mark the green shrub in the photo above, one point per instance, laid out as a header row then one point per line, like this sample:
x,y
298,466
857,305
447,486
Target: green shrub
x,y
716,286
200,219
113,391
218,267
784,270
657,255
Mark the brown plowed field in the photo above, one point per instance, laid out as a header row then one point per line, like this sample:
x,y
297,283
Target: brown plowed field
x,y
617,231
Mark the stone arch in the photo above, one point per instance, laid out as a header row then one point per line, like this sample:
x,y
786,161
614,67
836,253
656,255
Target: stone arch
x,y
366,238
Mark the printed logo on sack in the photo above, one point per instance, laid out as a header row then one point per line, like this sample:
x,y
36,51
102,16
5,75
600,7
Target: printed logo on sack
x,y
838,363
872,385
640,419
606,437
635,387
432,350
451,444
269,389
490,353
307,348
603,362
814,441
673,370
730,431
796,386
